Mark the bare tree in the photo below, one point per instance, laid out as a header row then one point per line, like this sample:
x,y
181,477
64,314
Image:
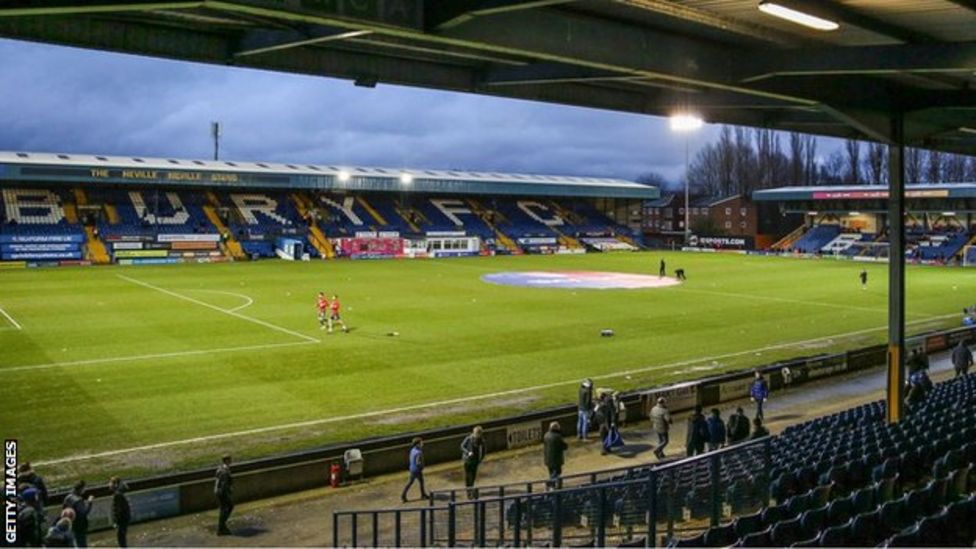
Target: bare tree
x,y
876,164
655,179
914,161
970,169
852,174
797,159
810,163
954,168
933,167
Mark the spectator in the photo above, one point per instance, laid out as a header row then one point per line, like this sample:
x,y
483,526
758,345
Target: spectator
x,y
759,392
919,386
27,475
962,359
758,431
697,432
716,431
77,502
224,491
30,520
661,424
555,450
416,466
472,454
585,408
121,512
738,426
606,416
917,361
60,535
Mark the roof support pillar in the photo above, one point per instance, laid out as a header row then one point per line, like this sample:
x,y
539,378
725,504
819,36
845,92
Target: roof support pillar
x,y
896,271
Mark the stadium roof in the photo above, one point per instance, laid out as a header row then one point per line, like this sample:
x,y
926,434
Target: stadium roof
x,y
83,168
864,192
910,59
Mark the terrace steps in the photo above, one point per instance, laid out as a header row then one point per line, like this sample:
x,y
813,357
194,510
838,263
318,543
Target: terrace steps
x,y
70,213
403,213
97,252
81,198
229,245
112,214
788,240
315,235
372,211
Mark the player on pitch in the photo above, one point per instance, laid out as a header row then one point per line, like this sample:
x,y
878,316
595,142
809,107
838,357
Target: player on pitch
x,y
322,304
336,308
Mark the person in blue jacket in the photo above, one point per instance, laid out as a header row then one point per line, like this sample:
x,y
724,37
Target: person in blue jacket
x,y
416,469
759,392
716,430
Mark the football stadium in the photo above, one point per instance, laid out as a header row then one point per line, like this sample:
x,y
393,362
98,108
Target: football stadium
x,y
548,359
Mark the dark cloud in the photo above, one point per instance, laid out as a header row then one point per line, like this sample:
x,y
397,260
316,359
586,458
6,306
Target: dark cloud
x,y
70,100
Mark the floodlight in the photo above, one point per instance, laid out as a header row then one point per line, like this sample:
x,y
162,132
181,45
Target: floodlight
x,y
796,16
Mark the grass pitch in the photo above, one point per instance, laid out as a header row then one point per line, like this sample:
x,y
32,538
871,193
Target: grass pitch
x,y
140,370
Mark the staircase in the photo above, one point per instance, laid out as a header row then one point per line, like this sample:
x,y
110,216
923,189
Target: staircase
x,y
406,218
788,240
97,252
629,240
316,237
112,214
70,213
500,237
229,245
567,241
372,211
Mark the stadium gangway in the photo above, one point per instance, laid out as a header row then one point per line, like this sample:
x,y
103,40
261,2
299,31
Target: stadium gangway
x,y
627,512
539,485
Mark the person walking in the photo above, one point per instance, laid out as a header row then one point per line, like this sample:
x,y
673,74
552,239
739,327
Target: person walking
x,y
416,466
737,426
30,520
121,511
472,454
77,502
759,392
758,431
662,271
224,491
716,431
26,474
585,408
962,359
661,424
697,433
60,534
554,448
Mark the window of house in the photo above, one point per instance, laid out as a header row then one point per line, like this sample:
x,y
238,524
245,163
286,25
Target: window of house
x,y
742,224
681,211
704,211
728,211
728,224
742,212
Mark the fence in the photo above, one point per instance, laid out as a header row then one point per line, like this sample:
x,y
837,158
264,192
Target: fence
x,y
633,509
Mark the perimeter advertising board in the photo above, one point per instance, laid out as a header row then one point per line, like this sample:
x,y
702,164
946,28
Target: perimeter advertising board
x,y
682,396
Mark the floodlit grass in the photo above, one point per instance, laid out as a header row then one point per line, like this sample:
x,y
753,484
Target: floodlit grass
x,y
108,361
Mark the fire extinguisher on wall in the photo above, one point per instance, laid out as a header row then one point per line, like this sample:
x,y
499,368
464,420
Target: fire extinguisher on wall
x,y
335,474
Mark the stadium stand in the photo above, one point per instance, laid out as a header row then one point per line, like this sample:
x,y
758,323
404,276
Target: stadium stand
x,y
847,479
816,238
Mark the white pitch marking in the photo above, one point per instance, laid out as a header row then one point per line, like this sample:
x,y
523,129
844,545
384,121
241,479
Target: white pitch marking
x,y
11,319
459,400
216,308
249,300
175,354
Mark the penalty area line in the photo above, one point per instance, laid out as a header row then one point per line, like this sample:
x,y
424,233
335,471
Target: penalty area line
x,y
11,319
459,400
230,312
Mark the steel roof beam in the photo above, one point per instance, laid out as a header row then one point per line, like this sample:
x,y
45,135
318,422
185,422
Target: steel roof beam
x,y
442,14
263,40
919,58
22,8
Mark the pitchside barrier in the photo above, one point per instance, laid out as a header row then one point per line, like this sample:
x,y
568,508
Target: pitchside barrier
x,y
190,492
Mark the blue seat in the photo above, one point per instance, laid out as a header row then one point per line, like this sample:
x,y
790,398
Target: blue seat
x,y
788,532
835,536
720,536
840,511
864,531
813,520
762,538
748,524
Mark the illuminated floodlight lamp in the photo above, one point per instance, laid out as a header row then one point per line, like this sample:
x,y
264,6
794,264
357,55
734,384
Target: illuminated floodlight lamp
x,y
948,214
344,176
685,122
797,16
854,213
406,178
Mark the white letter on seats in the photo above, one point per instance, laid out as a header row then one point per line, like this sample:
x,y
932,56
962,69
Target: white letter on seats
x,y
528,206
345,208
249,204
449,207
48,204
179,217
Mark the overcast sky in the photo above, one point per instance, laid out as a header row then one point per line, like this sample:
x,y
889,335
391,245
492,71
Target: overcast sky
x,y
57,99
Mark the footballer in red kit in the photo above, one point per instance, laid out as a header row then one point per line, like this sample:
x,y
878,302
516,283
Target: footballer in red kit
x,y
336,309
322,303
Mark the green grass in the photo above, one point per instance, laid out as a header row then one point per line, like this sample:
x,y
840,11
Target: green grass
x,y
459,338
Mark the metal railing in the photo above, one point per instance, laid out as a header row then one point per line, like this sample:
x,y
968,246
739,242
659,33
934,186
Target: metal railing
x,y
673,499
